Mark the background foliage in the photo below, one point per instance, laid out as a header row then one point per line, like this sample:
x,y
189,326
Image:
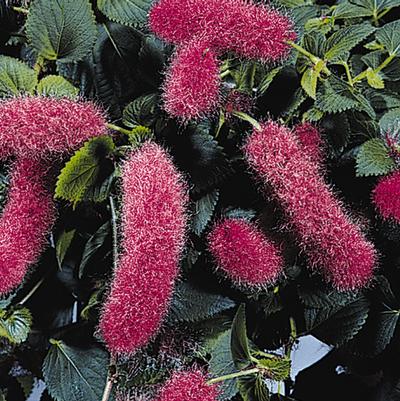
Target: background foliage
x,y
344,76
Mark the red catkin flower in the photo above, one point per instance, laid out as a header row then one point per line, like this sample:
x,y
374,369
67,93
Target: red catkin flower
x,y
25,222
188,386
250,30
244,253
37,126
386,196
333,243
311,141
192,85
154,221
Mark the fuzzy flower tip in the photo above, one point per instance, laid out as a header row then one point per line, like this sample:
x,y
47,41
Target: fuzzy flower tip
x,y
311,141
192,85
332,242
244,253
248,29
188,386
386,196
25,222
37,126
154,223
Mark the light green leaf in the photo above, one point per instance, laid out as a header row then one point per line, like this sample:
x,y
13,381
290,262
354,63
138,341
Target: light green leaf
x,y
310,78
363,8
15,324
16,77
63,30
56,86
129,12
82,171
267,80
75,374
63,243
339,44
239,341
374,79
253,388
373,159
389,36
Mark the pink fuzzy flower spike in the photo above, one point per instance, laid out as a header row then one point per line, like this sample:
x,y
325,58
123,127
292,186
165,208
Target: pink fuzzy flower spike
x,y
188,386
244,253
154,221
311,141
192,85
332,242
386,196
38,126
24,223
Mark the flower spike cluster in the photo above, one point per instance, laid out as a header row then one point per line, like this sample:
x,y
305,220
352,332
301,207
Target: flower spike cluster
x,y
331,240
34,130
250,30
188,386
386,196
244,253
310,139
154,224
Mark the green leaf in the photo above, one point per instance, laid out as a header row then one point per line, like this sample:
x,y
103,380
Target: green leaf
x,y
63,243
56,86
363,8
239,341
374,79
390,122
16,77
204,209
389,36
139,134
221,363
142,111
277,368
190,304
128,12
26,382
253,388
338,45
373,159
82,171
75,374
15,324
94,243
310,78
63,30
267,80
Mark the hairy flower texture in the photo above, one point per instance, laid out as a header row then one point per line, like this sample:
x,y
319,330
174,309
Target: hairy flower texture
x,y
192,85
386,196
244,253
38,126
188,386
311,141
333,243
250,30
154,221
25,222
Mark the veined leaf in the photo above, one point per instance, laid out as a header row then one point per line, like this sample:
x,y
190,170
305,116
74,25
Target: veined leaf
x,y
56,86
339,44
239,341
128,12
363,8
389,36
389,123
63,30
204,209
253,388
75,374
82,171
15,324
16,77
63,243
310,77
374,79
373,159
142,111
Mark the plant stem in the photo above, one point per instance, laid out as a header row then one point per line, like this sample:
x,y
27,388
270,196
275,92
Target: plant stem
x,y
384,64
224,74
292,339
303,51
348,73
114,231
110,380
118,129
246,117
234,375
33,290
21,10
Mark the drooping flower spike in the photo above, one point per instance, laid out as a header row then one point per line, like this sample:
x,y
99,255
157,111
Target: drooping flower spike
x,y
154,223
244,253
386,196
250,30
331,240
311,141
188,386
33,131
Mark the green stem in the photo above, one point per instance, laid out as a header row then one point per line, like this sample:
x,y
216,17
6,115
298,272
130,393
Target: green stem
x,y
114,231
289,346
234,375
348,73
225,74
110,380
246,117
21,10
383,13
118,129
362,75
32,291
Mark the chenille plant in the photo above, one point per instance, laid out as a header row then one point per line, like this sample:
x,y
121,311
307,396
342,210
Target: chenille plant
x,y
190,190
